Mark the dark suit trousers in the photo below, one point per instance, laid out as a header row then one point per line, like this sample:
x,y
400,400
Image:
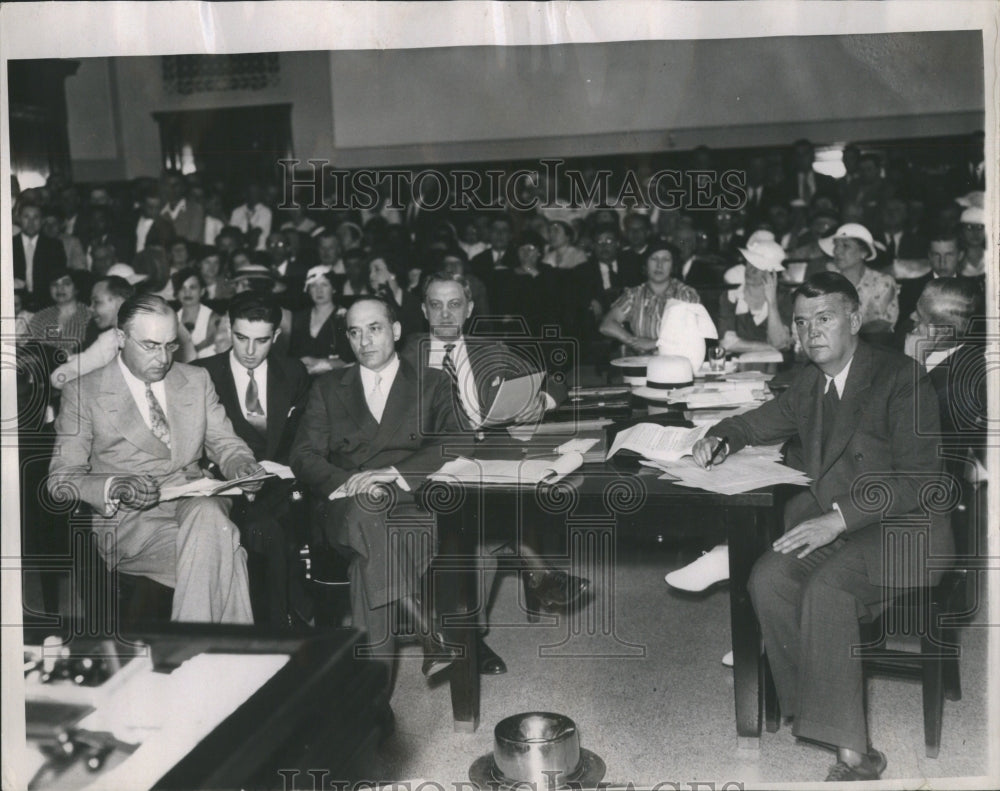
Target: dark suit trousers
x,y
808,611
389,545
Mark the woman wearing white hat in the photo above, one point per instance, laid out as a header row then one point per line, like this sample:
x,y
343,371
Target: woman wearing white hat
x,y
972,262
850,247
756,315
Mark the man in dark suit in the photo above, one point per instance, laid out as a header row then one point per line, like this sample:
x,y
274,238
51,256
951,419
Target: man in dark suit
x,y
370,435
854,410
264,395
500,257
632,259
806,183
36,256
151,228
900,243
476,367
131,429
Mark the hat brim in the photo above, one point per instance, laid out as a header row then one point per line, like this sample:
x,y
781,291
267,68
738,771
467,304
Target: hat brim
x,y
590,771
658,394
758,263
826,245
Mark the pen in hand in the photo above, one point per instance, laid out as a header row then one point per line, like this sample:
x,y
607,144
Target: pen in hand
x,y
723,445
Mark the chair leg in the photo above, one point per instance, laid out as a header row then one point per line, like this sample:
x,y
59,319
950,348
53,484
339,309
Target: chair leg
x,y
950,671
933,691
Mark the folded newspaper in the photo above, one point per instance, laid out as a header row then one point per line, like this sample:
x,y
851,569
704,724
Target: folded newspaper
x,y
210,487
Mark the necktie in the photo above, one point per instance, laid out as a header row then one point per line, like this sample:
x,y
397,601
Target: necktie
x,y
890,247
157,419
29,261
831,402
376,399
255,412
449,368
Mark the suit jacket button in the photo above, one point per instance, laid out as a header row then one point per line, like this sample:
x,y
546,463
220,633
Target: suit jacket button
x,y
413,436
858,456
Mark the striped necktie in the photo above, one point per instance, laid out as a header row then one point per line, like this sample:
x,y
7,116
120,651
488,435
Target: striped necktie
x,y
157,419
255,412
448,366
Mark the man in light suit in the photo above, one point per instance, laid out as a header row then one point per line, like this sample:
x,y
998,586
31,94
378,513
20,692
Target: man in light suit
x,y
130,429
854,409
187,217
370,436
264,395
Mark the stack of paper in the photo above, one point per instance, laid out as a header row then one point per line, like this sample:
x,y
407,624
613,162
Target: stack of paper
x,y
737,474
658,443
526,431
509,472
718,394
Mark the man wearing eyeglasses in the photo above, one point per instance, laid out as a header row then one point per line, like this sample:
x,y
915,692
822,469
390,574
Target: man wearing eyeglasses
x,y
136,426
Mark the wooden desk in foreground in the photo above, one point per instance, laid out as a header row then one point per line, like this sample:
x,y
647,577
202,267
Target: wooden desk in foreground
x,y
598,506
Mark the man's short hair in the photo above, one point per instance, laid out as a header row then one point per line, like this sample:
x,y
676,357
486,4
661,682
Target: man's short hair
x,y
445,277
824,284
142,304
118,287
952,302
390,309
942,237
179,277
255,306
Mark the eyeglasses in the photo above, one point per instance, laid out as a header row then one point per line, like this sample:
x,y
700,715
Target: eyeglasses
x,y
151,347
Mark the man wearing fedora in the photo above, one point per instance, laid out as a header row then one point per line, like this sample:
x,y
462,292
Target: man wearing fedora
x,y
853,410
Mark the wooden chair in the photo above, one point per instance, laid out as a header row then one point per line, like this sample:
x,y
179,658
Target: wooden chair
x,y
916,637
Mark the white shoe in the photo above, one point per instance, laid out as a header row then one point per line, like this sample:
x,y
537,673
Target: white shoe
x,y
727,660
708,570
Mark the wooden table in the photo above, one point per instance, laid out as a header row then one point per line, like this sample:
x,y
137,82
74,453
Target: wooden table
x,y
600,505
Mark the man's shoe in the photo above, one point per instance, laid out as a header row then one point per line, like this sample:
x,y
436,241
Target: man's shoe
x,y
490,663
438,655
710,570
870,768
727,660
554,589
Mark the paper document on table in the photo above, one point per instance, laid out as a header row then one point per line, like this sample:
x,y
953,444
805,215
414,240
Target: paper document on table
x,y
209,487
505,471
513,398
659,443
717,394
737,474
579,445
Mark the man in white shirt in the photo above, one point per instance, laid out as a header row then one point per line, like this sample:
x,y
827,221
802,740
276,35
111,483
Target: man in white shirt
x,y
188,217
253,218
128,432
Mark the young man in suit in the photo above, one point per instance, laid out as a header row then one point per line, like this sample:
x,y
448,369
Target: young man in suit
x,y
263,395
136,426
476,367
854,409
36,256
370,436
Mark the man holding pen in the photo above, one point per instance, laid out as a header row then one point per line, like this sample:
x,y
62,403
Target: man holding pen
x,y
854,409
140,423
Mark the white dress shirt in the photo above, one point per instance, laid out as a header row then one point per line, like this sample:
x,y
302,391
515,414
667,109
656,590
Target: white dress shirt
x,y
938,356
241,378
141,232
376,397
175,212
606,270
138,389
244,218
463,368
839,381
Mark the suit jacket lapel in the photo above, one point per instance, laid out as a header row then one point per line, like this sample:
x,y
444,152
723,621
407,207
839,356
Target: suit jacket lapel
x,y
180,405
116,401
351,392
278,403
813,420
852,403
402,397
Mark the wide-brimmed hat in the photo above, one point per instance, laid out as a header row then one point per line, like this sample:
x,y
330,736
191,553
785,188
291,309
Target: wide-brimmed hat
x,y
315,273
125,272
664,374
976,199
633,369
851,230
973,216
764,255
252,272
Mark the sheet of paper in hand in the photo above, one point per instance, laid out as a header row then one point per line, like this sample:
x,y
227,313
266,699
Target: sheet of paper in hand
x,y
210,487
659,443
513,398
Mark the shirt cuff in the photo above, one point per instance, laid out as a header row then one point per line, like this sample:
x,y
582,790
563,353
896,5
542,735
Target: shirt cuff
x,y
843,522
550,402
400,481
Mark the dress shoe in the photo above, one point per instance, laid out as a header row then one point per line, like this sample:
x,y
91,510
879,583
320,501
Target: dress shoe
x,y
438,655
708,571
870,768
553,589
727,660
490,663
